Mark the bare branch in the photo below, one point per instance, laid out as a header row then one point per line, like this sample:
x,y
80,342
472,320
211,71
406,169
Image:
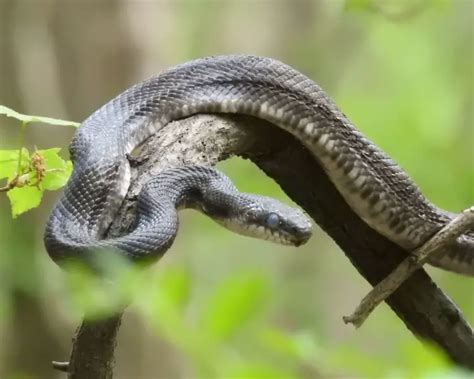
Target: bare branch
x,y
93,349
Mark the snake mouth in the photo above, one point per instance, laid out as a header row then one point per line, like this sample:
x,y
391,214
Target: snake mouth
x,y
299,237
292,237
283,237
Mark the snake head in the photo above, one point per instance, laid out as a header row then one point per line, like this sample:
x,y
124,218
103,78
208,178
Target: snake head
x,y
269,219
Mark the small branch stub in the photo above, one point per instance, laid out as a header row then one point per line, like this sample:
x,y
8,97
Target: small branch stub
x,y
60,366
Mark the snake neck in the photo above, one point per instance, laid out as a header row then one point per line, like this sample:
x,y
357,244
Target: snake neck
x,y
156,225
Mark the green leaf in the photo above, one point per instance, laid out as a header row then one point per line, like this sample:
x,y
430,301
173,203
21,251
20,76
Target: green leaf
x,y
58,170
28,118
300,346
234,303
176,285
91,295
419,358
353,360
23,199
9,162
29,196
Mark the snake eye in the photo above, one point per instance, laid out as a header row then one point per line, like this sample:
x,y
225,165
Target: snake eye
x,y
273,220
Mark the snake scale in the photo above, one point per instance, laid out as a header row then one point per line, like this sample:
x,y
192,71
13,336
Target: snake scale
x,y
374,186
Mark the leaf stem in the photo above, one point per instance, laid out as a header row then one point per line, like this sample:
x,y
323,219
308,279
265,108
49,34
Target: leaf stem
x,y
22,142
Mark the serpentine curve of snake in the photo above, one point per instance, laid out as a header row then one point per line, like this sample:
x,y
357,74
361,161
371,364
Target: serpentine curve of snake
x,y
373,185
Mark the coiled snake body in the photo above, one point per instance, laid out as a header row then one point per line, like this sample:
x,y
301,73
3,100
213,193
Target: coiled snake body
x,y
376,188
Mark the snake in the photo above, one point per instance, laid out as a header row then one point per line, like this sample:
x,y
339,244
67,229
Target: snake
x,y
376,188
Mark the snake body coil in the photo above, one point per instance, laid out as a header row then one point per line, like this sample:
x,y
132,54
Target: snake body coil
x,y
375,187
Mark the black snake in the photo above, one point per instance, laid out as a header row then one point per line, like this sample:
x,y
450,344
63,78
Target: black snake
x,y
375,187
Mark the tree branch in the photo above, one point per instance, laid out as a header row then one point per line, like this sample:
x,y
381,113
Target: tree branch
x,y
93,349
205,139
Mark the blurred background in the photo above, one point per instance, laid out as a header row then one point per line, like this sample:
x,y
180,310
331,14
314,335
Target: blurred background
x,y
221,305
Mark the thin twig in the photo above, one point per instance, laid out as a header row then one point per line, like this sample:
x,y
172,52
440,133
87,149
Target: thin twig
x,y
459,225
10,185
24,124
23,180
17,182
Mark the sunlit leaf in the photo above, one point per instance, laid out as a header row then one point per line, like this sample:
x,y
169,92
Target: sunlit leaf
x,y
176,285
300,346
419,358
234,303
157,305
352,361
94,295
9,162
161,301
58,170
23,199
82,289
28,118
29,194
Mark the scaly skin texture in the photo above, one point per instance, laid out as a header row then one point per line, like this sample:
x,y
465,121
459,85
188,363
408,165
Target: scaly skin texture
x,y
375,187
204,189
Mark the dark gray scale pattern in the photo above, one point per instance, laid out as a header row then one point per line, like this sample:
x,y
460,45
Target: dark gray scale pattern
x,y
378,190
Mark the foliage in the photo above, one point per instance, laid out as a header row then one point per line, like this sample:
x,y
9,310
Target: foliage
x,y
26,119
29,174
236,314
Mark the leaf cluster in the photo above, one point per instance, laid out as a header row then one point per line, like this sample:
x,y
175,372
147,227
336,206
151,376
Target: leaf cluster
x,y
29,173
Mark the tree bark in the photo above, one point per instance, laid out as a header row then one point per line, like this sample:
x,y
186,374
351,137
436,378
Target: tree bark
x,y
206,139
